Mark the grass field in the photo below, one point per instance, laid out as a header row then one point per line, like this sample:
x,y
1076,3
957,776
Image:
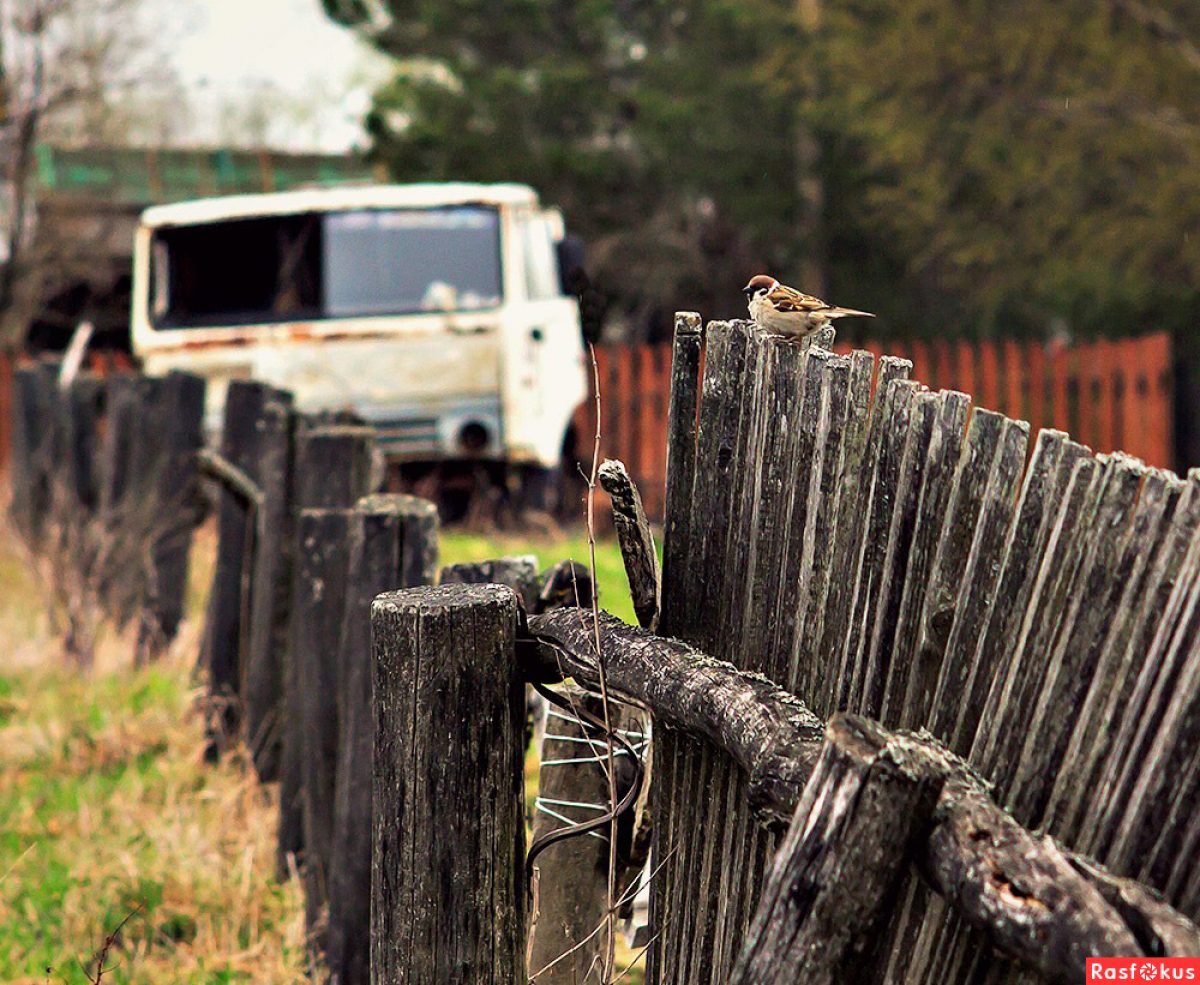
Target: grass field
x,y
108,817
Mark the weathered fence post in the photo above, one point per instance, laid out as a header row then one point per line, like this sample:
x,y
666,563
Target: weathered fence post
x,y
29,433
176,507
35,448
79,407
129,457
130,527
636,540
448,895
319,595
121,416
271,587
332,471
393,544
518,573
333,465
870,794
225,622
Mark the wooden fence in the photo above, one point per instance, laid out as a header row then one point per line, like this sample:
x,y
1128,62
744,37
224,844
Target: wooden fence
x,y
104,495
887,552
849,557
1109,395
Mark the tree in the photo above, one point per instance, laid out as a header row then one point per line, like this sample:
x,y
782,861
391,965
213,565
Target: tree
x,y
1022,163
73,71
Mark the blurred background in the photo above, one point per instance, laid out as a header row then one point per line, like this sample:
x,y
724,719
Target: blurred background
x,y
985,172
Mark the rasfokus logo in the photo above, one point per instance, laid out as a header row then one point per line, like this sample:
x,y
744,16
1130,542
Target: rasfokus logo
x,y
1143,970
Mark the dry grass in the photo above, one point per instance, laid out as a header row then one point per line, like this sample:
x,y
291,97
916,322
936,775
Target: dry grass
x,y
106,810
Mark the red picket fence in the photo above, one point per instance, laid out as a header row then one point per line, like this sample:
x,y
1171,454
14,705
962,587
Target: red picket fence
x,y
635,389
1109,395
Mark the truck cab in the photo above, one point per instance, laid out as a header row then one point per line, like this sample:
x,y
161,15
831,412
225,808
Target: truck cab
x,y
434,312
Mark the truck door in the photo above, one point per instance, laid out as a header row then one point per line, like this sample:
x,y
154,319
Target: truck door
x,y
545,369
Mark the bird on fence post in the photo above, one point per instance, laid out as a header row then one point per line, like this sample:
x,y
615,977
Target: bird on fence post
x,y
782,310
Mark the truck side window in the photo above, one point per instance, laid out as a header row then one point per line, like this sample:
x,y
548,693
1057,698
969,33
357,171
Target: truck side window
x,y
541,280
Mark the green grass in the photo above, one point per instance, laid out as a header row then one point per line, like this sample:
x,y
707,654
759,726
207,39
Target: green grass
x,y
458,546
107,812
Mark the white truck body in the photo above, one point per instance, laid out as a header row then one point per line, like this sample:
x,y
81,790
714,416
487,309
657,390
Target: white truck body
x,y
432,311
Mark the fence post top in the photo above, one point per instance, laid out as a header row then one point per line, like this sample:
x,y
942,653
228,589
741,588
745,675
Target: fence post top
x,y
444,598
395,503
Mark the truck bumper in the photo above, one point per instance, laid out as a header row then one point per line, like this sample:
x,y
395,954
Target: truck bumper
x,y
470,428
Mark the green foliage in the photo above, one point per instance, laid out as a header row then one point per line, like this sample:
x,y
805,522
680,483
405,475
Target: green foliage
x,y
1021,161
988,167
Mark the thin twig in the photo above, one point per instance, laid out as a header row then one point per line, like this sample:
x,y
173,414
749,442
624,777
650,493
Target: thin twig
x,y
628,894
610,916
102,955
20,858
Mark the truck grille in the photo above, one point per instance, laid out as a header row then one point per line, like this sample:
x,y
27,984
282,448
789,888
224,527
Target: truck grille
x,y
410,436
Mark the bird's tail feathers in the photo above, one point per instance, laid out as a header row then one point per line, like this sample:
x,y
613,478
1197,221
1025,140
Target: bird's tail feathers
x,y
846,312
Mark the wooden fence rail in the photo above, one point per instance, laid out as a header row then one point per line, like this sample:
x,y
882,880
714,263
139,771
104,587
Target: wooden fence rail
x,y
1109,395
880,549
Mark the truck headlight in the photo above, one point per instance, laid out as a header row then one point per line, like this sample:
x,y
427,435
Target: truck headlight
x,y
473,437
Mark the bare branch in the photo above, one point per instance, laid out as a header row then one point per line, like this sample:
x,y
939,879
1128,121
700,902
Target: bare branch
x,y
1161,25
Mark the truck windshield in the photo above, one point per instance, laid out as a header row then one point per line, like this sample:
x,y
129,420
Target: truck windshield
x,y
326,265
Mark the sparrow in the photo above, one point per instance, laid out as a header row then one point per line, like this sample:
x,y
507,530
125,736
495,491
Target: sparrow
x,y
782,310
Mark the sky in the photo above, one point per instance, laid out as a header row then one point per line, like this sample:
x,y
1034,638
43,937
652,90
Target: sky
x,y
266,71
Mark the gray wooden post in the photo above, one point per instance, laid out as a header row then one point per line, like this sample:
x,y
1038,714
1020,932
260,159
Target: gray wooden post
x,y
319,595
177,507
333,467
870,794
28,432
130,516
224,627
121,415
393,544
519,573
636,540
448,895
49,450
80,405
332,471
271,588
